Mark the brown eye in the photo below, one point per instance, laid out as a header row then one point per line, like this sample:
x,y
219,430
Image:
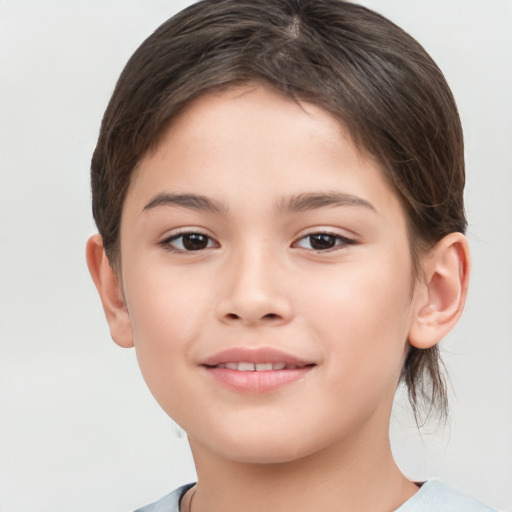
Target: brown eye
x,y
195,242
323,241
187,242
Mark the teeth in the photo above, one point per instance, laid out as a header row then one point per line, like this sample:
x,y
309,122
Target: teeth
x,y
263,367
245,367
258,367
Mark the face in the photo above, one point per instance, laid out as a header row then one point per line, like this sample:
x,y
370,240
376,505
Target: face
x,y
267,276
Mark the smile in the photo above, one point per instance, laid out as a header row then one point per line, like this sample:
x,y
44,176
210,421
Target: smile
x,y
256,370
258,367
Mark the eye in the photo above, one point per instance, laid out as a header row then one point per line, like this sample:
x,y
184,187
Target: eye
x,y
322,241
189,242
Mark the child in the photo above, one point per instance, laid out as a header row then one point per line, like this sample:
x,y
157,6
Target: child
x,y
278,188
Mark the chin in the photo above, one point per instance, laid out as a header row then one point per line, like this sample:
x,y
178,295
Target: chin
x,y
257,447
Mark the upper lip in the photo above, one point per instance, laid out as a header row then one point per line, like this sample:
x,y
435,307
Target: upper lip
x,y
254,355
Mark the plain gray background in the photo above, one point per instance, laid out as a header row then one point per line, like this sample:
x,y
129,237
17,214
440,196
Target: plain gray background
x,y
78,429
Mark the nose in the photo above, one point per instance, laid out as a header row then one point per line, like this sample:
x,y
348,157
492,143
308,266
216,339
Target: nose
x,y
255,291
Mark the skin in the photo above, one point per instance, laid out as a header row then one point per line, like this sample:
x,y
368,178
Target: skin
x,y
350,308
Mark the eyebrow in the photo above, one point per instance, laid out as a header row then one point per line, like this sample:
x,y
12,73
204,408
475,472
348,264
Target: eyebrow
x,y
296,203
192,201
315,200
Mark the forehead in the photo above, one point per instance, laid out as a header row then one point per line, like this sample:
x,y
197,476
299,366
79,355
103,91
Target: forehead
x,y
253,114
253,137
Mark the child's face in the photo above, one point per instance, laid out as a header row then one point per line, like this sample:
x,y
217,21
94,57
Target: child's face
x,y
256,227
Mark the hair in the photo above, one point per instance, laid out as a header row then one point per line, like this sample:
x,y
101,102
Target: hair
x,y
354,63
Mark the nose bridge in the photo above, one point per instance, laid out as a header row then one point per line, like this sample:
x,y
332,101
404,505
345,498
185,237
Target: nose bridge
x,y
255,290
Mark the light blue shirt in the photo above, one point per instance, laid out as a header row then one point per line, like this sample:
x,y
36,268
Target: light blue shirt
x,y
433,496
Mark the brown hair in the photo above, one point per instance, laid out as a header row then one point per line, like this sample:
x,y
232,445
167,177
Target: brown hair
x,y
351,61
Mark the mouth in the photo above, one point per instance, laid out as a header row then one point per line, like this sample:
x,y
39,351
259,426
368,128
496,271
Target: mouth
x,y
256,370
258,367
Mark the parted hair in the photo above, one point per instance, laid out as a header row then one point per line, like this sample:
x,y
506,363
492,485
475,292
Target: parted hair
x,y
354,63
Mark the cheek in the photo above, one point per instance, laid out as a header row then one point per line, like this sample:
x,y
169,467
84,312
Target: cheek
x,y
164,302
166,316
167,312
364,316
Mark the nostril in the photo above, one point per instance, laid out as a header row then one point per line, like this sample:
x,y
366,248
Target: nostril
x,y
232,316
271,316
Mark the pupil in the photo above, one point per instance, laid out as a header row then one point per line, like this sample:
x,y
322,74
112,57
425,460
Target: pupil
x,y
323,241
195,242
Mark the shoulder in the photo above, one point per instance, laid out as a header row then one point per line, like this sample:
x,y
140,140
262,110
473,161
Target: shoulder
x,y
434,496
169,503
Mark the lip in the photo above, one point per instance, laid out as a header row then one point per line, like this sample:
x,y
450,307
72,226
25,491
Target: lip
x,y
256,355
256,382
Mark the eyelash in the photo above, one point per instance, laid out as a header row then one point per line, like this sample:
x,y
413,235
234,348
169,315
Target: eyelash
x,y
339,242
167,243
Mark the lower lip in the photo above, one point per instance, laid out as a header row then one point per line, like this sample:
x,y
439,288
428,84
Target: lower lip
x,y
255,382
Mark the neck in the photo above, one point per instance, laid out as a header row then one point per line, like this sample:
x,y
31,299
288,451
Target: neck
x,y
357,476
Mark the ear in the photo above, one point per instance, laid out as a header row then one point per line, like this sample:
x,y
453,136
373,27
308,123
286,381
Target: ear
x,y
109,288
441,295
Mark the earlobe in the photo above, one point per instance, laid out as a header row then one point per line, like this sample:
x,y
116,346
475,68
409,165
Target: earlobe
x,y
440,297
108,286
